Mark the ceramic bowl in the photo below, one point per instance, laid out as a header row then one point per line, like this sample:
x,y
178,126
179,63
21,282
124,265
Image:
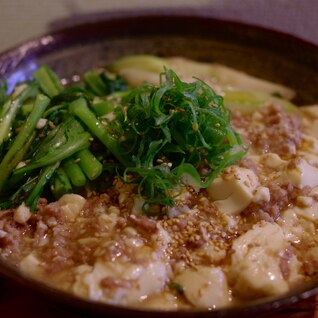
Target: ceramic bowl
x,y
95,40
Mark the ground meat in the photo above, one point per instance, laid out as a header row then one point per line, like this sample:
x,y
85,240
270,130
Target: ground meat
x,y
40,232
144,223
13,235
281,197
278,132
204,204
50,213
239,121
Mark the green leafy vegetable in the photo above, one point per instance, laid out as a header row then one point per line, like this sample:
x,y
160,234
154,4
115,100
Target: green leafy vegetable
x,y
74,172
11,107
15,155
61,183
60,143
158,137
44,177
48,81
89,164
31,190
80,108
100,84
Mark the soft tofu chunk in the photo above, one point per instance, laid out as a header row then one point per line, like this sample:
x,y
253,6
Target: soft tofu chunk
x,y
312,129
294,230
22,214
205,287
273,160
32,266
311,111
127,283
71,205
301,175
255,267
309,213
299,223
210,253
262,194
234,191
310,143
164,301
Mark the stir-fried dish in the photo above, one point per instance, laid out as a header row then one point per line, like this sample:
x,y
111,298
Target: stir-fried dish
x,y
160,183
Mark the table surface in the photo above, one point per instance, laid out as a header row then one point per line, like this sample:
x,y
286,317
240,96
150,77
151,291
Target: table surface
x,y
16,301
22,20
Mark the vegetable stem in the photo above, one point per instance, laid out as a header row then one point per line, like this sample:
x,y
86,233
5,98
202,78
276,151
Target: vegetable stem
x,y
95,83
48,81
80,108
106,106
45,176
61,184
89,164
67,138
13,156
14,180
74,172
10,109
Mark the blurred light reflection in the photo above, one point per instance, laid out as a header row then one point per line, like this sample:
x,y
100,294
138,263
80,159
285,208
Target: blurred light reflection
x,y
21,75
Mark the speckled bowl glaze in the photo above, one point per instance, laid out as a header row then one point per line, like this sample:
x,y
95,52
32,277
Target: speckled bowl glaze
x,y
98,39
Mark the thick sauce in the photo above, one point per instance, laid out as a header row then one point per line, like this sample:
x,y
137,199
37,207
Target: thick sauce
x,y
251,234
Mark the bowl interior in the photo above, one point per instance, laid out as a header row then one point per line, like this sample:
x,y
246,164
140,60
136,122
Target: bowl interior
x,y
263,53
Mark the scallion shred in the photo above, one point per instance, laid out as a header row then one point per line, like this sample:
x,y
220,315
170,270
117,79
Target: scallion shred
x,y
172,132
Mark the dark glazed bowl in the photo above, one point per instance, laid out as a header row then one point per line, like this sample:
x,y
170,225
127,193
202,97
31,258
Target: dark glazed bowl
x,y
103,38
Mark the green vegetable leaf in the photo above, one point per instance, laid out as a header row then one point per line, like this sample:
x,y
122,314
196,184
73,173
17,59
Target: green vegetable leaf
x,y
63,141
10,109
31,190
101,84
158,137
21,142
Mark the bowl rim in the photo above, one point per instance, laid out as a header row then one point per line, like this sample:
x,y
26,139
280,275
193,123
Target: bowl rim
x,y
71,301
71,32
41,45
